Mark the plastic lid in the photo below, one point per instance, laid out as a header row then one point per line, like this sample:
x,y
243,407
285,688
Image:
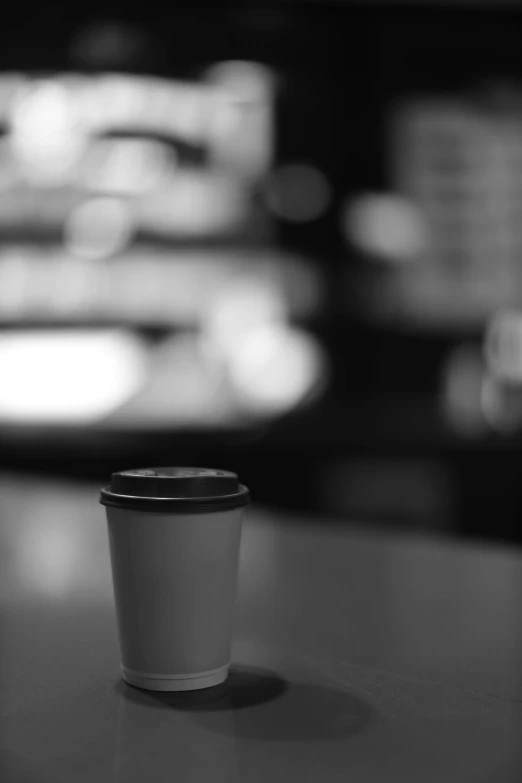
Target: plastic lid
x,y
175,489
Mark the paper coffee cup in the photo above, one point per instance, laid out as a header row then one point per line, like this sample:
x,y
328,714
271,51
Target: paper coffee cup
x,y
174,538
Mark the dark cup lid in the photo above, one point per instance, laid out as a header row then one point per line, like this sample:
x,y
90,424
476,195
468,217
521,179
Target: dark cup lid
x,y
175,489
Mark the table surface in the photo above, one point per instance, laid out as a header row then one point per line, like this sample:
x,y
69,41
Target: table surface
x,y
357,656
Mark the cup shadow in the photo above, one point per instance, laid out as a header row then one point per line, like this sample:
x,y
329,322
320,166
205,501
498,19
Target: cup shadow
x,y
265,706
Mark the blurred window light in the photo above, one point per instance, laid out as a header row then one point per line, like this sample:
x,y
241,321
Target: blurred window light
x,y
460,160
151,104
230,112
99,228
503,346
159,288
275,367
385,226
238,306
222,290
46,136
126,166
68,376
297,192
35,283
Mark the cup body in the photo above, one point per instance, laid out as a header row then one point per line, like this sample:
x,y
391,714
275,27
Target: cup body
x,y
175,580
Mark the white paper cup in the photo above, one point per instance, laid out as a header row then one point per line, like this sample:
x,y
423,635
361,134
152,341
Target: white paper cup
x,y
175,575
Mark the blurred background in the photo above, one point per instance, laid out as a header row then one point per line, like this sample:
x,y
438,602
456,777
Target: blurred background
x,y
282,239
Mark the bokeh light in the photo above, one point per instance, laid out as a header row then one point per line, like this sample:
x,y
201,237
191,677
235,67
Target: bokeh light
x,y
238,306
246,81
503,345
46,136
385,226
462,385
185,387
501,405
99,228
197,203
68,376
274,367
297,192
126,165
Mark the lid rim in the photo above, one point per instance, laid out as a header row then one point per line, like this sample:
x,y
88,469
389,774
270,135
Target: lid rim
x,y
202,503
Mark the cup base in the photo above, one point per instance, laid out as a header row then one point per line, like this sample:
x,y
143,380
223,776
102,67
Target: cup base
x,y
175,682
